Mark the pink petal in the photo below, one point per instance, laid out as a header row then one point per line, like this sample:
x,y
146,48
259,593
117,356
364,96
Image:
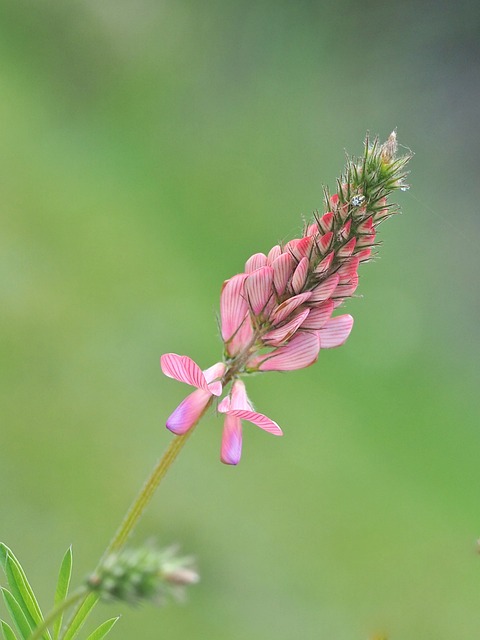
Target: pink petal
x,y
300,275
239,398
348,269
366,240
282,270
233,306
346,289
334,200
300,248
273,254
364,255
324,242
242,337
319,316
366,226
326,222
183,369
258,289
189,411
255,262
231,450
325,264
345,230
312,230
300,352
213,374
258,419
347,249
281,334
336,331
283,310
325,289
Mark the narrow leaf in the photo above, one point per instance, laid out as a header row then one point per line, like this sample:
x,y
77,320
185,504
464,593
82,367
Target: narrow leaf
x,y
7,631
79,619
21,588
63,584
17,614
101,631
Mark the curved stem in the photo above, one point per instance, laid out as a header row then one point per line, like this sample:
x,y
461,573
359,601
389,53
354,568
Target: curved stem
x,y
56,611
140,503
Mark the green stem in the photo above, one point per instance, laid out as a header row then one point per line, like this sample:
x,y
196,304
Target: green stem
x,y
56,611
140,503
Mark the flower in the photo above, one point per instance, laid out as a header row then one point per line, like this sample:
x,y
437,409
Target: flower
x,y
278,314
237,407
184,369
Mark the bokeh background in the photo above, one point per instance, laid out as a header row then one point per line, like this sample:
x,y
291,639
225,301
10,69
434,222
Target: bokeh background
x,y
147,149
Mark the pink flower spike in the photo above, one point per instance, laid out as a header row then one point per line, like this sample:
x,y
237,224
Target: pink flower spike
x,y
300,352
188,412
184,369
233,306
300,275
336,331
282,270
255,262
258,289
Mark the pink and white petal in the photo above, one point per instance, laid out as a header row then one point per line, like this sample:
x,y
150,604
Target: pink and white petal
x,y
336,331
366,226
325,264
345,230
224,405
346,289
324,290
347,249
188,412
242,336
231,450
312,229
183,369
258,419
233,305
300,352
326,222
300,248
212,376
255,262
319,316
273,254
300,275
258,289
324,242
275,337
239,398
283,267
366,240
283,310
364,255
349,268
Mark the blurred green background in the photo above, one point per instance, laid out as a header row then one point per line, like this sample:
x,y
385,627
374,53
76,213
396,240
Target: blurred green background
x,y
147,149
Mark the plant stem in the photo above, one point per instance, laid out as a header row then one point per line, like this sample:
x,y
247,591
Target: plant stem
x,y
56,611
140,503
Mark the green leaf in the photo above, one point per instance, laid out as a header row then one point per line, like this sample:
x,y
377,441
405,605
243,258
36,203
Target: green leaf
x,y
101,631
63,584
17,614
79,619
21,588
7,631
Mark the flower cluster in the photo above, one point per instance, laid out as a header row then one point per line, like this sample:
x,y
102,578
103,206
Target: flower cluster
x,y
277,314
143,574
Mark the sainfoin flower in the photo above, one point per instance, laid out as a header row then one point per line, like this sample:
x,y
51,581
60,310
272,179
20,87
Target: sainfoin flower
x,y
278,313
